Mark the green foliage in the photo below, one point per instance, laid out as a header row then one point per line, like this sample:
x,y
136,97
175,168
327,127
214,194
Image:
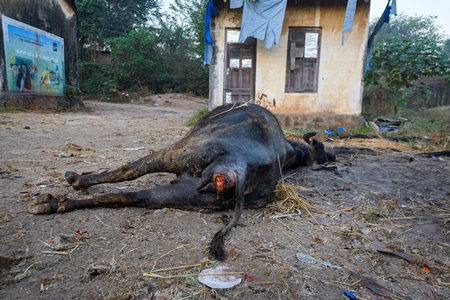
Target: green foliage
x,y
374,213
72,94
190,14
91,26
109,86
406,49
11,109
123,16
429,128
180,36
96,78
447,47
197,116
99,20
398,63
361,130
164,57
429,120
136,60
409,27
182,66
296,133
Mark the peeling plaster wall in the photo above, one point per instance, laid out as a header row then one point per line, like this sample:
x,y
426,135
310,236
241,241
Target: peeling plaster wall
x,y
224,19
54,16
341,66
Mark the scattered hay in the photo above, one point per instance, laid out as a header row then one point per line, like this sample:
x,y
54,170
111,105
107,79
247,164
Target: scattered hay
x,y
7,170
293,135
287,201
5,217
374,213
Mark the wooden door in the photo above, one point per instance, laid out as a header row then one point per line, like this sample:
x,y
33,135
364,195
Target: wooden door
x,y
240,65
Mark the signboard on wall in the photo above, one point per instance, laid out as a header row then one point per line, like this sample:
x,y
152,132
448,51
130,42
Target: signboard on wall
x,y
34,59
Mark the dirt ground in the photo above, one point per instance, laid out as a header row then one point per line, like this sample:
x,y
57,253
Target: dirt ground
x,y
378,197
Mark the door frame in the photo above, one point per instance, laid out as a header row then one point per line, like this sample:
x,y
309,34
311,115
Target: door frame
x,y
249,42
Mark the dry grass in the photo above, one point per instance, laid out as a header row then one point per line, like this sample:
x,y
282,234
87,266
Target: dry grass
x,y
288,201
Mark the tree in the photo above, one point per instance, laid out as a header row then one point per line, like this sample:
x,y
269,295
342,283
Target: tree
x,y
409,27
163,53
123,16
398,63
91,27
136,60
447,47
190,14
180,36
99,20
407,49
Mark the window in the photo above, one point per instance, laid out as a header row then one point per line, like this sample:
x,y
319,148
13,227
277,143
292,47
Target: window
x,y
302,65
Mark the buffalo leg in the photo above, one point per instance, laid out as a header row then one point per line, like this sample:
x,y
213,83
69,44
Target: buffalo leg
x,y
148,164
179,194
176,159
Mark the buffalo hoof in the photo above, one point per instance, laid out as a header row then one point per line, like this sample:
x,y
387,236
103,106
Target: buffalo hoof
x,y
47,204
72,179
328,167
316,167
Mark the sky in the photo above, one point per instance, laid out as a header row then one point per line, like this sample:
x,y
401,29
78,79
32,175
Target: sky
x,y
438,8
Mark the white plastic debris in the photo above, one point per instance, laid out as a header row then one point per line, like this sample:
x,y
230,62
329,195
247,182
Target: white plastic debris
x,y
305,258
219,278
134,149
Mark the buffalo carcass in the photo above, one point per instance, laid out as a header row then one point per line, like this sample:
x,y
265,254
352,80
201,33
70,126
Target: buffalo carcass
x,y
232,157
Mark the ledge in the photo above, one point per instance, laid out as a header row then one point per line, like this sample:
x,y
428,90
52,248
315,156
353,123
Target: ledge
x,y
36,101
319,121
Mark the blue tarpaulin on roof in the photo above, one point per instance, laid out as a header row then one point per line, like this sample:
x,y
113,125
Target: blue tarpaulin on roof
x,y
209,45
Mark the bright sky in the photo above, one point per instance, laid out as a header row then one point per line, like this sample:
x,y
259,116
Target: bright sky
x,y
165,4
438,8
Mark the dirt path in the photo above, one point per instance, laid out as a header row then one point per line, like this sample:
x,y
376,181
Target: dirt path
x,y
374,199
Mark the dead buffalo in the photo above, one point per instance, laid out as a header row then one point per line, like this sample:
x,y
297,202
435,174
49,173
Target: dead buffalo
x,y
233,157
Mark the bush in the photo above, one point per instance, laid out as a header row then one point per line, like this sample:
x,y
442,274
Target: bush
x,y
136,60
96,78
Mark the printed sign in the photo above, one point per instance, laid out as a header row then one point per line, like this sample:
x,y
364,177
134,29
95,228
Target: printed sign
x,y
34,59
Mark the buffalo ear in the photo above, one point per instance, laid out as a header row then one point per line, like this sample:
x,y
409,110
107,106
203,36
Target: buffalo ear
x,y
307,136
330,156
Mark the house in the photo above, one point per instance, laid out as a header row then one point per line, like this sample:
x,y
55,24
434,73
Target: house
x,y
305,65
38,54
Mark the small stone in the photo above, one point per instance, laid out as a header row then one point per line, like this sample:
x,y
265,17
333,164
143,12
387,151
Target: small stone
x,y
348,214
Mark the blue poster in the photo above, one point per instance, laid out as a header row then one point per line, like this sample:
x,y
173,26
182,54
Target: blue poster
x,y
34,59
